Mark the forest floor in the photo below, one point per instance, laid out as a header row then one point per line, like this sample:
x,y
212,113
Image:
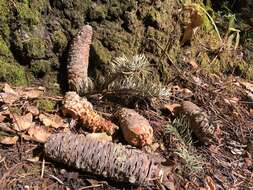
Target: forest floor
x,y
224,164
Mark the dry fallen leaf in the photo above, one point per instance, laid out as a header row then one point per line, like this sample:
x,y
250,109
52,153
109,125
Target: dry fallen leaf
x,y
247,85
210,185
171,107
22,123
9,96
8,140
33,110
31,93
54,121
193,63
231,101
39,134
196,21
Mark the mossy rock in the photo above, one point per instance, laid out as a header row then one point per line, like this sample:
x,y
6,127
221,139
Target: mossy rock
x,y
40,67
46,105
4,18
4,49
26,15
12,73
59,41
98,12
35,48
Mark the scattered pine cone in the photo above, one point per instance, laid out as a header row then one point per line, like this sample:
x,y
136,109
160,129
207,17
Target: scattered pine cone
x,y
79,61
200,123
107,159
135,128
81,109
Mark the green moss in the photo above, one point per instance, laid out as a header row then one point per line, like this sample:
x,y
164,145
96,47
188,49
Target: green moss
x,y
35,48
12,73
40,67
99,13
46,105
59,40
100,54
153,18
4,17
26,15
4,49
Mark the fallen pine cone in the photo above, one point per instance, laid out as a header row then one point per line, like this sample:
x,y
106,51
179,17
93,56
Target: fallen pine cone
x,y
81,109
79,61
106,159
135,128
199,121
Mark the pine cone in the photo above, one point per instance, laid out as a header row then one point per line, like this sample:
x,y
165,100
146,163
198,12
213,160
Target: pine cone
x,y
79,61
81,109
107,159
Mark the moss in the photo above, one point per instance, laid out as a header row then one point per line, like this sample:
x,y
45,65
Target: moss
x,y
4,14
98,13
12,73
26,15
100,54
46,105
4,49
40,67
35,48
59,40
153,18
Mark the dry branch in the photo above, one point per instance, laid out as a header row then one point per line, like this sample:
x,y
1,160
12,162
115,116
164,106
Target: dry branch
x,y
81,109
79,61
106,159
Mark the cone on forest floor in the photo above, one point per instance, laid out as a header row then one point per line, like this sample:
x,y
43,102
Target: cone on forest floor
x,y
107,159
81,109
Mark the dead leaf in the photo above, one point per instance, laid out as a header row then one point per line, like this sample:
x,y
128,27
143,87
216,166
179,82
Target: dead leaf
x,y
231,101
9,96
54,121
247,85
210,185
8,140
187,93
8,89
33,110
171,107
39,134
31,93
193,63
102,137
196,21
22,123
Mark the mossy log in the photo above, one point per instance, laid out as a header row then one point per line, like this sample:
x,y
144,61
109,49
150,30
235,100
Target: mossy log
x,y
106,159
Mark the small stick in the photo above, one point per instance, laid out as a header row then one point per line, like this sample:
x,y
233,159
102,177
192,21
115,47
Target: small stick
x,y
57,179
43,168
